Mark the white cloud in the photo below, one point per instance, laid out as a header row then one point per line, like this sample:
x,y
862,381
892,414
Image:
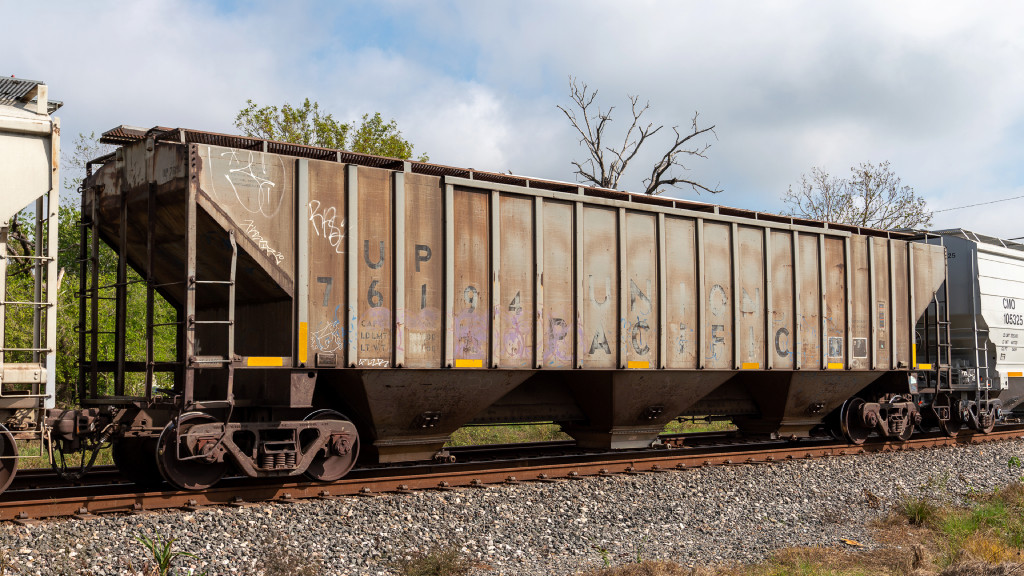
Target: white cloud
x,y
934,88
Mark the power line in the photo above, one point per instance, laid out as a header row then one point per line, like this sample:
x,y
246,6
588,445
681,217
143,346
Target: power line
x,y
978,204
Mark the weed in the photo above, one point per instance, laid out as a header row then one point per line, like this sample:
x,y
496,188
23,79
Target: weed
x,y
509,434
640,550
606,556
285,563
1014,462
437,562
646,568
163,553
918,509
986,548
7,563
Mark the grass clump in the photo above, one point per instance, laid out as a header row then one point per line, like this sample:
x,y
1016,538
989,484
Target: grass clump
x,y
507,434
644,568
989,529
918,510
436,562
164,556
549,431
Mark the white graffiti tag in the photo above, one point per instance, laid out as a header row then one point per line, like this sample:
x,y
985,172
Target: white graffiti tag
x,y
249,180
323,223
254,234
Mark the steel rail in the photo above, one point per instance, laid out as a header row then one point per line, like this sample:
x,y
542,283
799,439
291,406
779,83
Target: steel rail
x,y
89,501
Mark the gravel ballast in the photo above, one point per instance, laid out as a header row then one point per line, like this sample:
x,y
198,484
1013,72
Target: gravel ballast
x,y
697,517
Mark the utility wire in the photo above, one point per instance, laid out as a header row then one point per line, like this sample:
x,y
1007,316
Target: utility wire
x,y
978,204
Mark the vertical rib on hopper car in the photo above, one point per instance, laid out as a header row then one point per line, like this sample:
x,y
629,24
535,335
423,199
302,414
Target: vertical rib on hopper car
x,y
416,298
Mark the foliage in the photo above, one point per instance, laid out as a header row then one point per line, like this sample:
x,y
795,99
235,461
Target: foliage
x,y
506,434
374,136
918,510
299,125
163,553
873,196
435,562
548,432
306,125
606,164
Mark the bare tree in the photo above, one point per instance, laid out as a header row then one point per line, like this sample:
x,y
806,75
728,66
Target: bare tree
x,y
606,164
873,197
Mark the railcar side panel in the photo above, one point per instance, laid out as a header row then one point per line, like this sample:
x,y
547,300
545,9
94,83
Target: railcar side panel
x,y
752,292
374,293
860,324
424,269
782,337
256,191
600,288
513,310
900,308
836,327
641,322
682,288
558,322
881,357
472,282
718,282
809,298
325,211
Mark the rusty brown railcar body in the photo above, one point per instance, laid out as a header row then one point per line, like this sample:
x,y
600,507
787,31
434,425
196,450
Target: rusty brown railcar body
x,y
416,299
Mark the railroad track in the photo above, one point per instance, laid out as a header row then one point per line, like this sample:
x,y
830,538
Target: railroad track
x,y
35,498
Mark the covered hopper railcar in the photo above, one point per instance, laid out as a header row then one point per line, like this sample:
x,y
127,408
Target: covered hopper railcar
x,y
330,304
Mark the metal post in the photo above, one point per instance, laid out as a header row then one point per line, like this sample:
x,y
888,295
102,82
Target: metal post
x,y
121,297
37,280
52,274
150,233
189,333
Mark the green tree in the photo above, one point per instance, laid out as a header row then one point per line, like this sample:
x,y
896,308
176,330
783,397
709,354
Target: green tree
x,y
872,197
374,136
306,124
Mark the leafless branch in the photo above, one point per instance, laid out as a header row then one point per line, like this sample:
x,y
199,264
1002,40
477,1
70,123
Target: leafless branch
x,y
606,164
872,197
660,174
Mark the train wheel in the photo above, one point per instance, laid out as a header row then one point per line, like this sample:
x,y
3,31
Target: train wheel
x,y
8,458
982,421
853,427
197,474
340,454
135,459
951,426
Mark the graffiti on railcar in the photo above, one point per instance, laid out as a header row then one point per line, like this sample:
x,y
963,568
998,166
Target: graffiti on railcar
x,y
515,337
471,327
640,308
248,178
718,305
325,225
250,230
557,344
599,341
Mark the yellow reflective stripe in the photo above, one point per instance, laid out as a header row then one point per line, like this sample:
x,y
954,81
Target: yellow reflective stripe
x,y
638,364
750,365
835,366
467,363
1015,374
924,366
303,341
264,361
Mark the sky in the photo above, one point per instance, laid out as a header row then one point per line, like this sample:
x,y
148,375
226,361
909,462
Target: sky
x,y
935,88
